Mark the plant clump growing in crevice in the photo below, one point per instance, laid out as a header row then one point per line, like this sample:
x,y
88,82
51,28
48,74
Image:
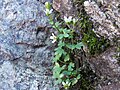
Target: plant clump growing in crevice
x,y
66,69
71,68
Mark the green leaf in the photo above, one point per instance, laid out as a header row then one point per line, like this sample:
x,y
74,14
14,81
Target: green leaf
x,y
58,81
70,36
70,66
66,35
66,73
78,77
56,74
74,72
59,50
67,58
71,46
51,22
57,24
65,30
54,27
74,81
79,45
61,36
63,66
61,29
57,70
57,57
61,44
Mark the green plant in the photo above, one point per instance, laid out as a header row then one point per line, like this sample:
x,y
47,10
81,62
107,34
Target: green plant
x,y
95,44
65,70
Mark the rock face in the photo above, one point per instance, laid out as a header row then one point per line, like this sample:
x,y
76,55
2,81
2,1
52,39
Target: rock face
x,y
25,55
107,68
106,17
65,7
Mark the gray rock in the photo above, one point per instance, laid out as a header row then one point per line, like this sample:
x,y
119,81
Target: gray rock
x,y
18,22
24,75
106,17
107,68
25,57
7,76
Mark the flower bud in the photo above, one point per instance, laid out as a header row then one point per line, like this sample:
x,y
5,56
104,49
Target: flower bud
x,y
47,5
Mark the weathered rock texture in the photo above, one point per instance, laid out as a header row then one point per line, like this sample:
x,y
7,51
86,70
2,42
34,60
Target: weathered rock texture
x,y
106,17
25,56
107,68
65,7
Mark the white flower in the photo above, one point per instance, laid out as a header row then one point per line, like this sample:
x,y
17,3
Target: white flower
x,y
68,19
48,12
66,84
86,3
63,83
74,20
53,37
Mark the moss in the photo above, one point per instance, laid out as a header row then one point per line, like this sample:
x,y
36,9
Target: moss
x,y
94,43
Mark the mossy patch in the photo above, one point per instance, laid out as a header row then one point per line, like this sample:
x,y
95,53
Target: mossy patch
x,y
95,44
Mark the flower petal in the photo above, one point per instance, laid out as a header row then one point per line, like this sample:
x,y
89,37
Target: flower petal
x,y
51,37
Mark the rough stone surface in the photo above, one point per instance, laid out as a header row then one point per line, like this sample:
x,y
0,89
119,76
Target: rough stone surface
x,y
25,55
107,68
106,17
65,7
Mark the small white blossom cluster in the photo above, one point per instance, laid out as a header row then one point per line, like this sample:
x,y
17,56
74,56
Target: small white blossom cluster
x,y
66,84
48,11
86,3
67,19
70,19
53,37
